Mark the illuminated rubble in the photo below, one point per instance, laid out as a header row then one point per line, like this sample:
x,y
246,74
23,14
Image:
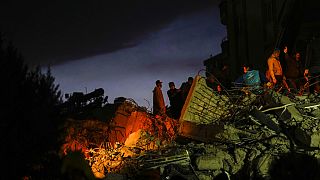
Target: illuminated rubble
x,y
241,135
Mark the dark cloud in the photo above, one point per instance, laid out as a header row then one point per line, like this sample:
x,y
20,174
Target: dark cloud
x,y
58,31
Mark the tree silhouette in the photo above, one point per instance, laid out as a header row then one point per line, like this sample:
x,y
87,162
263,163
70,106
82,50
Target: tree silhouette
x,y
29,115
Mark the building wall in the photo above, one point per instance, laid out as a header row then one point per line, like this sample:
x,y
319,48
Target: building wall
x,y
256,27
255,34
252,28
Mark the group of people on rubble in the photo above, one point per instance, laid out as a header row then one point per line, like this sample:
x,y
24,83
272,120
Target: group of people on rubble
x,y
176,97
292,77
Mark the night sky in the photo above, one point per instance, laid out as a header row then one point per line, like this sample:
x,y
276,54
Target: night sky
x,y
122,47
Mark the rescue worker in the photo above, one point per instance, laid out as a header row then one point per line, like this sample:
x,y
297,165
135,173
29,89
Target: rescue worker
x,y
275,71
159,107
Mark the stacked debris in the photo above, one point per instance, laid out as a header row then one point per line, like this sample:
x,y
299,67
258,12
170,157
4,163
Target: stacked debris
x,y
259,129
107,145
232,134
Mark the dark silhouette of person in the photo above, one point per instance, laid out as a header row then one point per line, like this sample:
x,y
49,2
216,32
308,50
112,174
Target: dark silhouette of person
x,y
175,98
283,57
185,88
159,107
295,70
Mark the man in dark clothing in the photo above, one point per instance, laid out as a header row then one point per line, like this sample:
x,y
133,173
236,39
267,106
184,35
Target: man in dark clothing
x,y
295,71
283,58
175,99
185,88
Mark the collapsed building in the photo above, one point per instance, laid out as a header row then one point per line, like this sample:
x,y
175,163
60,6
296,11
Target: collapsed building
x,y
236,134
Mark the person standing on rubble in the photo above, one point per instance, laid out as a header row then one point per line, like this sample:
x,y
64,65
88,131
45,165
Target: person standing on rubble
x,y
275,71
175,99
159,107
295,71
185,88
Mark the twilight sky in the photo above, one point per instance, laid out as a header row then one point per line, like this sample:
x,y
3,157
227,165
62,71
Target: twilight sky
x,y
121,47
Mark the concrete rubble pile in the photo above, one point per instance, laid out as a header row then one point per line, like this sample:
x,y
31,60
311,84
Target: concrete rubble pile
x,y
259,130
235,135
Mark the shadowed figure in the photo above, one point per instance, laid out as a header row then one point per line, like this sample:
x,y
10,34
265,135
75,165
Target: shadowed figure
x,y
175,98
185,88
294,71
159,107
